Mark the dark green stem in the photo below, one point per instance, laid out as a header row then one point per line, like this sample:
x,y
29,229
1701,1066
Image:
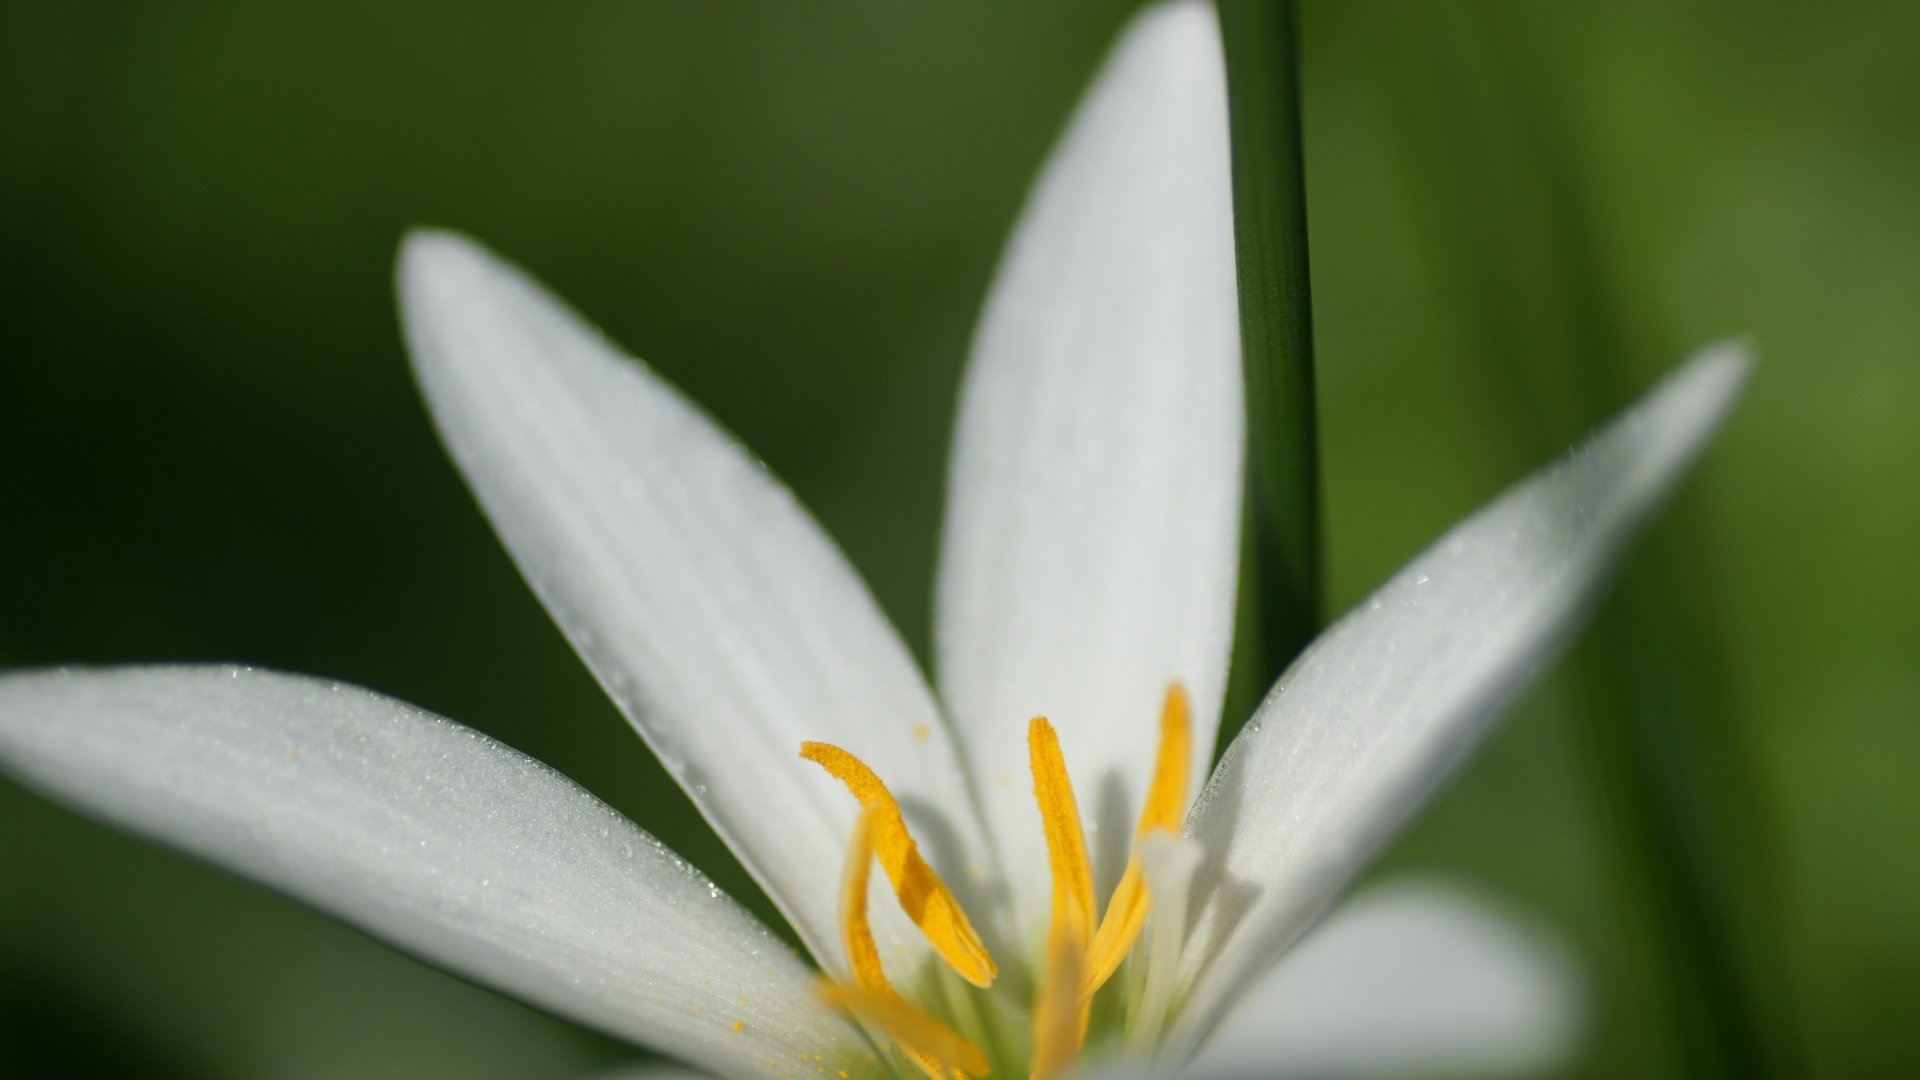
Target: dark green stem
x,y
1280,570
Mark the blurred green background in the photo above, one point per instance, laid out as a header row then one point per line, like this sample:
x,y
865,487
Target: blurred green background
x,y
1521,213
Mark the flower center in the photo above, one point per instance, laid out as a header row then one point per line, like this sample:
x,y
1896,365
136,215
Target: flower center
x,y
1082,954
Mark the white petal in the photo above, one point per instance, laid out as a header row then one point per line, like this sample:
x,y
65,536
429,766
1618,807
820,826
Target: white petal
x,y
1404,980
722,621
1366,724
430,836
1089,549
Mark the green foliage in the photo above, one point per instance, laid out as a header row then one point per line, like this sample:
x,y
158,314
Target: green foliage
x,y
210,448
1281,568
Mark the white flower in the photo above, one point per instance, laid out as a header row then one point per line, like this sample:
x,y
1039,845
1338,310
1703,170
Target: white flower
x,y
1087,576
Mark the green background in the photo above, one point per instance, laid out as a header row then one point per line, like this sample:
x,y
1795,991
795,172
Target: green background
x,y
210,447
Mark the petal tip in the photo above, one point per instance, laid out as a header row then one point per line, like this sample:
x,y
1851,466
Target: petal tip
x,y
462,305
1178,40
1181,24
428,254
1722,367
1691,403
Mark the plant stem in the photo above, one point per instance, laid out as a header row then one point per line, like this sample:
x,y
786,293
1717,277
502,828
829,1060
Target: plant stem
x,y
1280,568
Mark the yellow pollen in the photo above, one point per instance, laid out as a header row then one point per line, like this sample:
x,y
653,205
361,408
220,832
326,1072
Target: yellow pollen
x,y
1060,818
1081,956
1060,1016
939,1051
856,935
925,898
1166,801
1076,966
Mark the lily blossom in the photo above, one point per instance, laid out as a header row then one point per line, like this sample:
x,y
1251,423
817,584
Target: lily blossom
x,y
1063,880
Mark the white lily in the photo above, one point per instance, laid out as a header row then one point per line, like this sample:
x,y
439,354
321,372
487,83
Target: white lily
x,y
1087,576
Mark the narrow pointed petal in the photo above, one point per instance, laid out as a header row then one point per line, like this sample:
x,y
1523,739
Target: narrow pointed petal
x,y
1089,552
1378,711
1410,979
430,836
720,618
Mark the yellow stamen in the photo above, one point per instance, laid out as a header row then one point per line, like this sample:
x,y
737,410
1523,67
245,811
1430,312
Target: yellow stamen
x,y
856,933
925,898
1060,818
1080,955
1060,1016
939,1051
1166,802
